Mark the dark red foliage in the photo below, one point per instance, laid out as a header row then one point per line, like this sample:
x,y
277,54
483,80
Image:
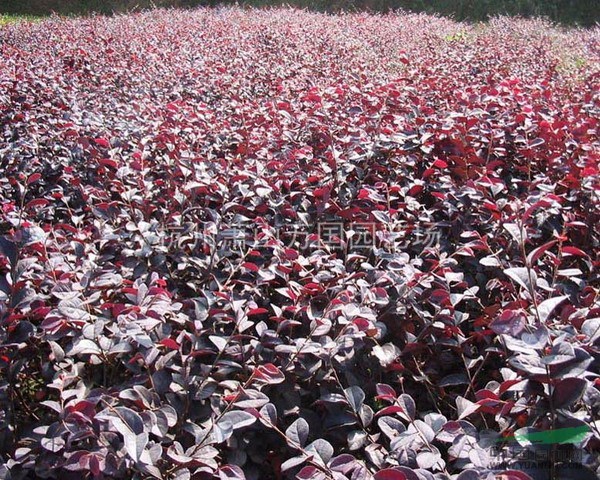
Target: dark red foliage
x,y
241,244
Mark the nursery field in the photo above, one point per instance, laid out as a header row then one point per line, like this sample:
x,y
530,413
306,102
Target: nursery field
x,y
274,244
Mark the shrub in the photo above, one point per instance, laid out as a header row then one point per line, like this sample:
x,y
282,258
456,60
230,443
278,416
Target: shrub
x,y
277,244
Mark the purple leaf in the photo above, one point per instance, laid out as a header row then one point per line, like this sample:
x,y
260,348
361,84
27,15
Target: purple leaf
x,y
355,396
465,407
293,462
310,473
231,472
568,392
343,463
297,433
546,308
510,322
131,427
321,449
521,276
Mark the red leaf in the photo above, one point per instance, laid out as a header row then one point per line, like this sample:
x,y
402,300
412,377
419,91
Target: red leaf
x,y
107,162
390,410
513,475
538,252
251,266
66,227
363,194
169,343
102,142
34,178
37,202
389,474
428,173
416,189
385,392
291,254
269,373
95,468
574,251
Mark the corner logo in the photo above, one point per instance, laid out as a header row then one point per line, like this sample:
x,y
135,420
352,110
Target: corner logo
x,y
549,437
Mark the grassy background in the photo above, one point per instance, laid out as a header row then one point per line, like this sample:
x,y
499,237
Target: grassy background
x,y
581,12
8,18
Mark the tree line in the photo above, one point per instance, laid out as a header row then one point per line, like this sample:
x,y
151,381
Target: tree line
x,y
573,12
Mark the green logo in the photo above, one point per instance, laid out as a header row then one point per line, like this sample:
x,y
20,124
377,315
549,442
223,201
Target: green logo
x,y
530,436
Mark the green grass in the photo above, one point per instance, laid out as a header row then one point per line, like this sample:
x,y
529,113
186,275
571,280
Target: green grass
x,y
457,37
7,19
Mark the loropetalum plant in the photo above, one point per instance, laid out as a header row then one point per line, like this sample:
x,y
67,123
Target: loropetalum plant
x,y
276,244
